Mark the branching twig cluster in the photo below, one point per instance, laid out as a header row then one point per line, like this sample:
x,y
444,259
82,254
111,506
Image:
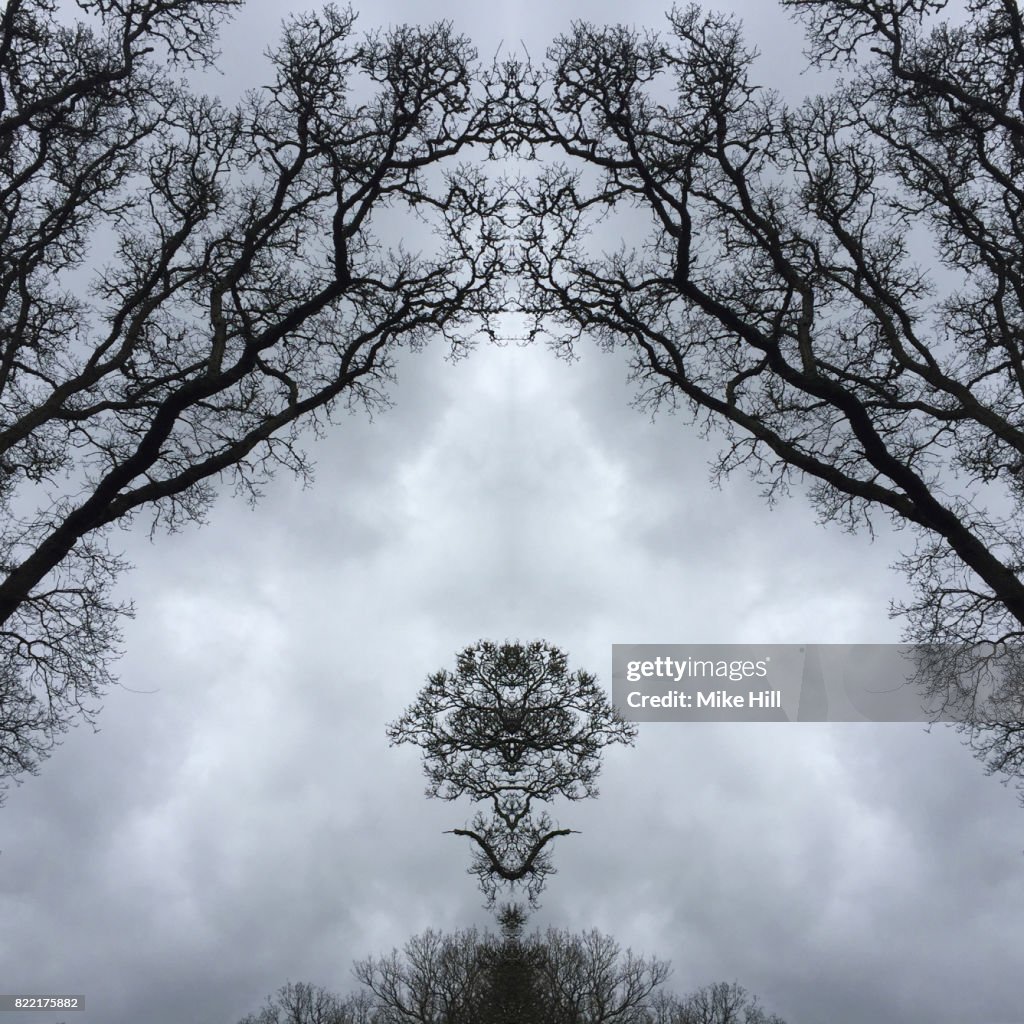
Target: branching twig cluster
x,y
511,728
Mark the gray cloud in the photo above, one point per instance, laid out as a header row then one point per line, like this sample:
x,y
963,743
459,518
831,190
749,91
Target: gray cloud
x,y
239,820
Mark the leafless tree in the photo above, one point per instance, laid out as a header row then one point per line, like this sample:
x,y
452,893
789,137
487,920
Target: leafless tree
x,y
436,979
720,1003
776,295
588,979
555,977
511,727
240,293
551,978
304,1003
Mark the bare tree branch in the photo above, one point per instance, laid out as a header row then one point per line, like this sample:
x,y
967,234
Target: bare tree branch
x,y
775,296
245,297
511,727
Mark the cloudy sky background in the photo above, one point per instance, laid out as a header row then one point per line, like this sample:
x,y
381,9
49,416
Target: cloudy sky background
x,y
239,820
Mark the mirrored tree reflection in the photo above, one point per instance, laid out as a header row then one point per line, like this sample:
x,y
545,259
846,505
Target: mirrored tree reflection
x,y
512,728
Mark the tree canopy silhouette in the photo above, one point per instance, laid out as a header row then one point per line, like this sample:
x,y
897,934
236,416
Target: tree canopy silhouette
x,y
241,293
305,1003
555,977
550,978
511,727
186,285
835,284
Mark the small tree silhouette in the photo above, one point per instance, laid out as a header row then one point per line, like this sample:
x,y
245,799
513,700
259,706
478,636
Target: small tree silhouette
x,y
511,727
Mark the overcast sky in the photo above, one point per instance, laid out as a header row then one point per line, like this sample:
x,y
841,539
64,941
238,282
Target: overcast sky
x,y
239,820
